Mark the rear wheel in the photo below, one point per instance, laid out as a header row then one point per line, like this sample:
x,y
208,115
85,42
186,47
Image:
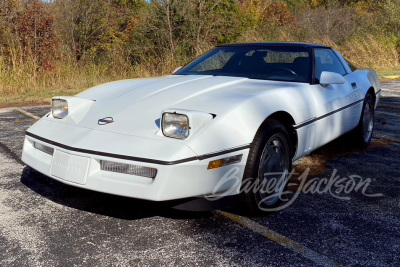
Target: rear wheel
x,y
365,128
267,169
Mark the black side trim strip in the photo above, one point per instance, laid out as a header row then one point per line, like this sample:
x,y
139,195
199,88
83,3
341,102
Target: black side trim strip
x,y
327,115
154,161
216,154
378,92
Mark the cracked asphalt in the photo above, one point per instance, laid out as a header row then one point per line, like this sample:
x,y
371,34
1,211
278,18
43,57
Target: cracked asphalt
x,y
47,223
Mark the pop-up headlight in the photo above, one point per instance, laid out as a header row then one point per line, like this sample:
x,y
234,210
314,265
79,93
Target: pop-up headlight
x,y
59,108
175,125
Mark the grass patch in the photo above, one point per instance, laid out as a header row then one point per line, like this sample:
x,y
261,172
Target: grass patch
x,y
31,87
23,82
389,74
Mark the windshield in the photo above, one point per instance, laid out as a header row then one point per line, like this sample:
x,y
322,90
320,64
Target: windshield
x,y
265,63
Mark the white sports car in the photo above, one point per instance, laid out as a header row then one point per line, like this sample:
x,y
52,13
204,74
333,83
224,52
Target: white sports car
x,y
241,110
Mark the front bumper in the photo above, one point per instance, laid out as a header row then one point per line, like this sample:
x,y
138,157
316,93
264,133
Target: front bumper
x,y
174,180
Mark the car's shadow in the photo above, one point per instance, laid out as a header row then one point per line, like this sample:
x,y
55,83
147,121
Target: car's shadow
x,y
104,204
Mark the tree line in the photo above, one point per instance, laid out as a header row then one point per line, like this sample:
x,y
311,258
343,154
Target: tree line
x,y
151,37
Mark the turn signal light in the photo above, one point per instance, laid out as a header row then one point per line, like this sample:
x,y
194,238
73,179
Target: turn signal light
x,y
215,164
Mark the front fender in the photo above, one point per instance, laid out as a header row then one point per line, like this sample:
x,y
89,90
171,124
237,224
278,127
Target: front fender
x,y
238,126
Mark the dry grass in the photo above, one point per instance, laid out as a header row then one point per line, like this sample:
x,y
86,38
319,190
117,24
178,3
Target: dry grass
x,y
368,52
24,82
388,75
30,83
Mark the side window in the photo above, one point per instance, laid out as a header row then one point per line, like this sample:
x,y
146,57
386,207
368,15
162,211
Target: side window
x,y
347,64
351,65
326,60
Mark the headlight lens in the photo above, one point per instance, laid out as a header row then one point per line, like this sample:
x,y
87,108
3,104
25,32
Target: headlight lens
x,y
59,108
175,125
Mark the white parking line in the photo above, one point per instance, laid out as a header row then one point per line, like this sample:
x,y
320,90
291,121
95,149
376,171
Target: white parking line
x,y
312,255
27,113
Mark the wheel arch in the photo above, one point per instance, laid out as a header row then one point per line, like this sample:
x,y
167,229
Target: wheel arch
x,y
371,91
287,120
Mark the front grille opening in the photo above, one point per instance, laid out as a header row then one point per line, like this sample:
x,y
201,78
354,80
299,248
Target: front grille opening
x,y
127,169
43,148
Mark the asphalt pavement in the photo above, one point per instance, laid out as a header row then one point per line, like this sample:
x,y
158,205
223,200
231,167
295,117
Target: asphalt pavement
x,y
46,223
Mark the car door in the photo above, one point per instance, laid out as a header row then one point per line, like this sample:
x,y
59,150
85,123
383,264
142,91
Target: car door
x,y
336,105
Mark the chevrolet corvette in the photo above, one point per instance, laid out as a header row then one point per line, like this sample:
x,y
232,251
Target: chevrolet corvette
x,y
251,107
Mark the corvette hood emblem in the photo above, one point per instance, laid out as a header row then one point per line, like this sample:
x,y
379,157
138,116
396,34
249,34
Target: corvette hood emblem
x,y
104,121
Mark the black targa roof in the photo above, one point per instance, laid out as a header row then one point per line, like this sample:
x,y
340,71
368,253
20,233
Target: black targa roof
x,y
282,44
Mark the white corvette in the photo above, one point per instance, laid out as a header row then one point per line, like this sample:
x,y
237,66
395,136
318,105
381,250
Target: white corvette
x,y
252,107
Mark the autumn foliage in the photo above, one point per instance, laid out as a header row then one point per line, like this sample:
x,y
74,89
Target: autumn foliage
x,y
63,46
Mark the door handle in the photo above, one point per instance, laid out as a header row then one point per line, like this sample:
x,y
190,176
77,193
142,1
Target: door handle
x,y
354,85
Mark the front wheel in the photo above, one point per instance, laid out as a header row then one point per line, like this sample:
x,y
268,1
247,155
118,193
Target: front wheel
x,y
365,128
267,169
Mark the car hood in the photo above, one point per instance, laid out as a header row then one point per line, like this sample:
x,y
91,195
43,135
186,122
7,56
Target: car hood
x,y
136,105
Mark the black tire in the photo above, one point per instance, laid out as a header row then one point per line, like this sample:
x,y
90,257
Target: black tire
x,y
272,146
363,132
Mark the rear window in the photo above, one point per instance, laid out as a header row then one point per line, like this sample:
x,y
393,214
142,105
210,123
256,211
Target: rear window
x,y
284,57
